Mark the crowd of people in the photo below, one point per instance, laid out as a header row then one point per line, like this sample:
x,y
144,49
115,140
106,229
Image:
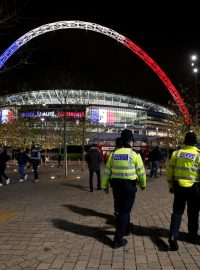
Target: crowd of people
x,y
24,161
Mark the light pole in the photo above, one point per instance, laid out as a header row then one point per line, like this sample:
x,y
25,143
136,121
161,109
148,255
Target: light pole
x,y
168,134
195,70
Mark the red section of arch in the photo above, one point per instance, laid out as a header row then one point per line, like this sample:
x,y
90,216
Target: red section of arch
x,y
154,66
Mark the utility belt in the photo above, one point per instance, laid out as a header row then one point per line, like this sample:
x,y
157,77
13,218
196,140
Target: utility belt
x,y
114,181
195,187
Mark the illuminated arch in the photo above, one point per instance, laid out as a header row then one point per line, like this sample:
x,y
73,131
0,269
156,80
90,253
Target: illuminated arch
x,y
106,31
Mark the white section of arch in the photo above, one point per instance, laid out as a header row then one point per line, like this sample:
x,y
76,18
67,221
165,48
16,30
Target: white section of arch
x,y
57,26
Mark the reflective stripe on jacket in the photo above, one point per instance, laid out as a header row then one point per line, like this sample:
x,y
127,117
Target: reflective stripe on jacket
x,y
124,163
184,167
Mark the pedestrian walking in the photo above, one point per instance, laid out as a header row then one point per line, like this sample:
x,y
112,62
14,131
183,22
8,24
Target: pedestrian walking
x,y
59,159
94,159
184,181
4,157
124,169
156,157
22,159
35,161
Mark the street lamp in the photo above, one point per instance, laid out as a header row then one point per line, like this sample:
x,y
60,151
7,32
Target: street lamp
x,y
168,135
195,70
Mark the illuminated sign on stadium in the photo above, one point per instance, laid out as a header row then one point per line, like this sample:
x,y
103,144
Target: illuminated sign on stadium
x,y
51,114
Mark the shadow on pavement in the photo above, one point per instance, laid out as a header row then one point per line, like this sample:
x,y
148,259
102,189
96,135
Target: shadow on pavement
x,y
95,232
90,212
154,233
75,186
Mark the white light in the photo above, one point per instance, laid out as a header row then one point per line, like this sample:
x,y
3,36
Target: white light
x,y
192,64
72,170
42,119
195,70
52,177
78,177
194,57
14,170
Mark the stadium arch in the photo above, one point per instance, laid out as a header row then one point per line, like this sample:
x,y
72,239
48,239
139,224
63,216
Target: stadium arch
x,y
112,34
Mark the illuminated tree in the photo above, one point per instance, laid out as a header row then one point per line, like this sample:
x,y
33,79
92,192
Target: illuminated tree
x,y
177,123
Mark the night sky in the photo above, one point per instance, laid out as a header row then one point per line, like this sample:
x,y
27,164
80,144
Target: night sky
x,y
82,59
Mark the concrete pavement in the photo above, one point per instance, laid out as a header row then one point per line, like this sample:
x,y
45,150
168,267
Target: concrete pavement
x,y
58,224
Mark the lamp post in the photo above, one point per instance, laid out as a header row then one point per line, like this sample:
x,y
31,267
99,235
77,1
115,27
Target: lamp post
x,y
195,70
168,134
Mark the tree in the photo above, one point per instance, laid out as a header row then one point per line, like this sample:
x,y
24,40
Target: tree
x,y
177,124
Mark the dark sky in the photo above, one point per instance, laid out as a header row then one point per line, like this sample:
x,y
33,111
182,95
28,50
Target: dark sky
x,y
82,59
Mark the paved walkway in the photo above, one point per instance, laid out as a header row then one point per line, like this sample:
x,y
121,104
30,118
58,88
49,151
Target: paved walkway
x,y
58,224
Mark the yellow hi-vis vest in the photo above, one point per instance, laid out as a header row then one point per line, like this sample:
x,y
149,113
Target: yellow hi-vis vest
x,y
184,167
126,164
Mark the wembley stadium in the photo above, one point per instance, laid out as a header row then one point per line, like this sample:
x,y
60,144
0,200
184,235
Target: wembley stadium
x,y
106,114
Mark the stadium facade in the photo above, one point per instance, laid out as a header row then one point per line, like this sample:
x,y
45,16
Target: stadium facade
x,y
107,113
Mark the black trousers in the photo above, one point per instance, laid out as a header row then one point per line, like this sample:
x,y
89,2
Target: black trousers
x,y
124,192
2,173
35,168
91,171
183,196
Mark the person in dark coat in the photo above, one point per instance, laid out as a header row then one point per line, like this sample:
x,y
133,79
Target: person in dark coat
x,y
59,159
156,157
35,161
22,159
4,157
94,159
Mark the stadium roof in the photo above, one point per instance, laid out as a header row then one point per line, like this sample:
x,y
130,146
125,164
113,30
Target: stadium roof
x,y
79,97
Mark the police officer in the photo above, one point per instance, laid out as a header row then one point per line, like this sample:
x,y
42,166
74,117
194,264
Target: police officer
x,y
124,169
183,176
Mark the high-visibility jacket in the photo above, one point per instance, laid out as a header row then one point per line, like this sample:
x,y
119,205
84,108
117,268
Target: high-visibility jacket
x,y
126,164
184,167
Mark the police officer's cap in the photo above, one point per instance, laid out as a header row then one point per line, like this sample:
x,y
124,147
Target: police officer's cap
x,y
127,135
190,138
